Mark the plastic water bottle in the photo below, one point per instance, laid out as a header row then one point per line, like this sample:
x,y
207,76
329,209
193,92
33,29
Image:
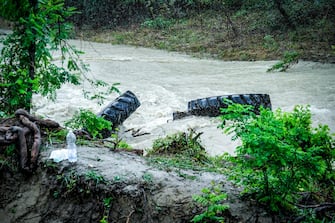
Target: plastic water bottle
x,y
71,146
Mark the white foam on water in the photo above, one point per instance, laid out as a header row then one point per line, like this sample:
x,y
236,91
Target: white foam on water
x,y
164,82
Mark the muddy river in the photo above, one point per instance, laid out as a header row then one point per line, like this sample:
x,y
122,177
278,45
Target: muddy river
x,y
164,82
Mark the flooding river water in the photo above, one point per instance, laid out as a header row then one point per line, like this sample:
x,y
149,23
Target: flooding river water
x,y
164,82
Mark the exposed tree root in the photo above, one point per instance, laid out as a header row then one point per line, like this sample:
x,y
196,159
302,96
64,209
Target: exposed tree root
x,y
24,132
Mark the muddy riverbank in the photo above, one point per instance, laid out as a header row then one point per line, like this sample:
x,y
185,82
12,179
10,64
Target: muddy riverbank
x,y
120,186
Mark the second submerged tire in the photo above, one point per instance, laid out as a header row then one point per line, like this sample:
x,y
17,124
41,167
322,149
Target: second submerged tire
x,y
211,106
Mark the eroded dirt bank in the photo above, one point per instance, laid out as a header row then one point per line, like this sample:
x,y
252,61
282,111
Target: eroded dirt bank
x,y
118,185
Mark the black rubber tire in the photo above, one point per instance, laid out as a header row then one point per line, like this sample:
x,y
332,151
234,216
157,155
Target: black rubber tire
x,y
120,109
211,106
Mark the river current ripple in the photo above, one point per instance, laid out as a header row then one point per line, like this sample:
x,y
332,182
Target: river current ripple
x,y
164,82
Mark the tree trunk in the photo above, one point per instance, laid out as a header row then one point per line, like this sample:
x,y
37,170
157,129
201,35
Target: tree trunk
x,y
24,132
32,60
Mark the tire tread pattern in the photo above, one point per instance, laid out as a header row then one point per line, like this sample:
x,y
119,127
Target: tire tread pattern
x,y
120,109
210,106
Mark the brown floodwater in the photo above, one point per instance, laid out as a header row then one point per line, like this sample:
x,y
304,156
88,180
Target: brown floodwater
x,y
165,81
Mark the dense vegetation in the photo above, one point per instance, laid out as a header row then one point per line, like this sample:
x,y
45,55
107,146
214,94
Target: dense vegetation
x,y
25,63
283,164
26,67
226,29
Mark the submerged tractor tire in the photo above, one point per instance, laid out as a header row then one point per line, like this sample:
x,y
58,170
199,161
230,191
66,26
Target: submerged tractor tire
x,y
120,109
211,106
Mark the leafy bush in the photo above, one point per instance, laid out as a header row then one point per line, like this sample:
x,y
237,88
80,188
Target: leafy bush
x,y
212,199
290,58
85,119
281,156
158,23
181,144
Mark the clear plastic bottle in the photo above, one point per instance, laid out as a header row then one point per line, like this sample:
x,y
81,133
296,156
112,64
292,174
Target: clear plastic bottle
x,y
71,146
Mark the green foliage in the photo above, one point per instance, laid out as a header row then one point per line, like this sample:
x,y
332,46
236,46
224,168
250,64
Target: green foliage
x,y
147,177
212,200
152,12
72,182
2,114
107,205
281,154
172,154
104,219
123,145
275,14
95,177
10,150
107,202
270,43
290,58
158,23
183,151
309,216
233,31
41,27
117,142
58,136
85,119
99,96
182,144
279,14
67,183
8,158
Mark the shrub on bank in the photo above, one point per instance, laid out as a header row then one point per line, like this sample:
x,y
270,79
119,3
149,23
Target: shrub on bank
x,y
284,163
